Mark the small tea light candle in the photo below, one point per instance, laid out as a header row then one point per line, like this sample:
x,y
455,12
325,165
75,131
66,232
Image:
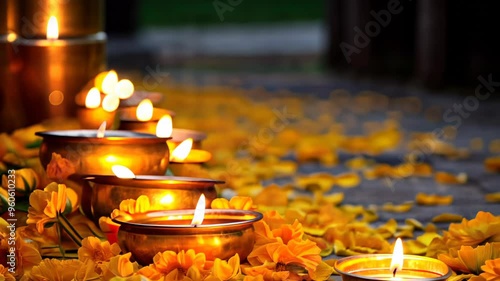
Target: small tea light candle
x,y
164,128
185,161
93,114
180,135
221,234
392,267
185,154
143,118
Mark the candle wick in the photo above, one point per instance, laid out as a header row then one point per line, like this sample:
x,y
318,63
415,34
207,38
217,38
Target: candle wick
x,y
394,272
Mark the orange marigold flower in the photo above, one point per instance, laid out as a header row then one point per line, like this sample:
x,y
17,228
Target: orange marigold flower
x,y
273,219
192,274
263,233
93,249
304,253
38,202
288,232
485,227
266,271
59,168
53,269
491,270
120,266
469,259
236,202
5,274
226,270
47,204
168,261
57,203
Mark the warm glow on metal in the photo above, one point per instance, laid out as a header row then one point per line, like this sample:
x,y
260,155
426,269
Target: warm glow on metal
x,y
110,103
109,82
181,152
124,89
52,28
397,257
144,110
93,98
102,130
167,199
199,212
164,127
122,172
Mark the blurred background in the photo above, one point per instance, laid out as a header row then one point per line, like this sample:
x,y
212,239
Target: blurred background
x,y
434,44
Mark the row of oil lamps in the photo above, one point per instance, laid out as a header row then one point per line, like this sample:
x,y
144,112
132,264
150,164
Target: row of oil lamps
x,y
174,221
169,224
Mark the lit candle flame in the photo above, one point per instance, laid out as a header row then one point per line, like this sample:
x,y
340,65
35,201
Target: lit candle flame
x,y
181,152
122,172
124,89
109,82
93,98
144,110
397,257
110,103
52,28
164,127
101,130
199,212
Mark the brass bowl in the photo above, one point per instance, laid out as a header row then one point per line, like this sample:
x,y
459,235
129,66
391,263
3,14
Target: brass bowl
x,y
222,234
164,192
179,135
377,267
141,153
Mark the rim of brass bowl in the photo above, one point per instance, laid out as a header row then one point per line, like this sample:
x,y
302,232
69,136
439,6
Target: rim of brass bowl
x,y
110,136
186,133
341,264
138,223
152,181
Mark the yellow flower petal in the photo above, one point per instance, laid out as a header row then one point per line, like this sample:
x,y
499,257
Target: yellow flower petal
x,y
447,217
433,199
347,180
492,197
447,178
492,164
226,270
220,203
401,208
